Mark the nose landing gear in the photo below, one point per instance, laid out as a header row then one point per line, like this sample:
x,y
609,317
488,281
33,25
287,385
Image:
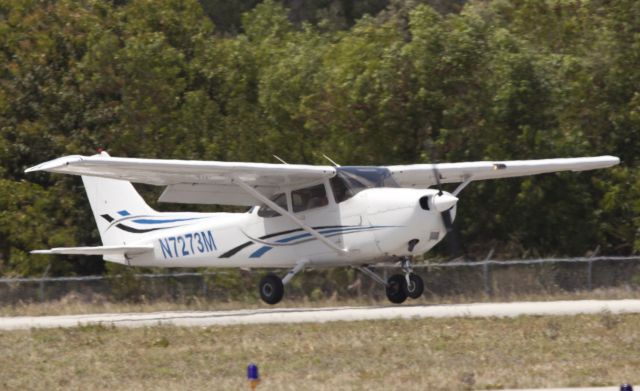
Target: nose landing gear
x,y
414,285
398,287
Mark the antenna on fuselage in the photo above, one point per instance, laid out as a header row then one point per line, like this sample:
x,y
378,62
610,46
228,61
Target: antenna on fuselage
x,y
329,159
279,158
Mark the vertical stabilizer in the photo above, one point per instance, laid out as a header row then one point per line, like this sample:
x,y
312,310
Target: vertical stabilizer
x,y
112,201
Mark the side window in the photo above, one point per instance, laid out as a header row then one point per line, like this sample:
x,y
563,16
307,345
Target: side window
x,y
280,200
309,198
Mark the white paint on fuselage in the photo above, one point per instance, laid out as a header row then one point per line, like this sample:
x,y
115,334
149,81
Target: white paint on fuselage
x,y
379,223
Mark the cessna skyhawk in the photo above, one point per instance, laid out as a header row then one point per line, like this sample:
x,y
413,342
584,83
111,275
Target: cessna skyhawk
x,y
301,216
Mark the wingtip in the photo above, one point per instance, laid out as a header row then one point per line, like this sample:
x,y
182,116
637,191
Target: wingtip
x,y
32,169
40,251
53,165
612,160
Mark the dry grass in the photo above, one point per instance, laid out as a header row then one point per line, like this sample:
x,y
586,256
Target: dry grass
x,y
74,304
452,354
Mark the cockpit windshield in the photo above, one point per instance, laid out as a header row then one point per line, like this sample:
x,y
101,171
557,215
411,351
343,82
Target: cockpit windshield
x,y
351,180
369,176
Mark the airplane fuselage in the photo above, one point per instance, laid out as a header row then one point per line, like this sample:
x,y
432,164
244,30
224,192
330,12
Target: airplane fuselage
x,y
373,225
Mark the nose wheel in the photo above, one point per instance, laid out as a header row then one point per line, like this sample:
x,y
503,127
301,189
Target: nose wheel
x,y
415,287
399,287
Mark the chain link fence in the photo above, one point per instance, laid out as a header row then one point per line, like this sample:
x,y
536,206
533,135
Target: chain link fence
x,y
489,277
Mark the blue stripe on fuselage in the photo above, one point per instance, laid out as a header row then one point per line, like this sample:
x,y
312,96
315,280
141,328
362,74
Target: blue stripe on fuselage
x,y
149,221
262,250
258,253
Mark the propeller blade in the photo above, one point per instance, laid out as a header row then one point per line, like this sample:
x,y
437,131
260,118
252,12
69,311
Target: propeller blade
x,y
444,203
436,174
454,244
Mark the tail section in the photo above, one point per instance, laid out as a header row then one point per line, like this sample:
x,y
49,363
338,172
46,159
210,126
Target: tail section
x,y
123,218
115,202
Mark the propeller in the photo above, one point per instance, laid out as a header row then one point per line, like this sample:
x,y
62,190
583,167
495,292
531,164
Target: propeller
x,y
444,203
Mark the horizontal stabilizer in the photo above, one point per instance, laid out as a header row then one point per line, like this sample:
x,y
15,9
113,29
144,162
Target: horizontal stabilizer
x,y
98,250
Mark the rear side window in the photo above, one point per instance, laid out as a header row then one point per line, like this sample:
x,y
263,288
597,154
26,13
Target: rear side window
x,y
309,198
280,200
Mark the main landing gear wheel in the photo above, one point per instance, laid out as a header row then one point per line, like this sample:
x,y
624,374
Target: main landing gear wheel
x,y
415,287
271,289
396,289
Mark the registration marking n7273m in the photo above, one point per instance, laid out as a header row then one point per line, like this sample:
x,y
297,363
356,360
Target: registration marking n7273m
x,y
187,244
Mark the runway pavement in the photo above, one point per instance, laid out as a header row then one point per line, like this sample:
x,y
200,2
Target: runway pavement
x,y
321,315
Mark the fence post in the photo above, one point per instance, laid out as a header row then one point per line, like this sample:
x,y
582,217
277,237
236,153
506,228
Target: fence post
x,y
204,286
595,252
44,275
486,275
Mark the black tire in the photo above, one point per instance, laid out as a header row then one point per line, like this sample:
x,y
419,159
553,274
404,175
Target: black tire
x,y
415,287
271,289
396,291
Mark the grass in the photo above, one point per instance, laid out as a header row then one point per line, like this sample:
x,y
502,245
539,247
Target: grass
x,y
74,304
435,354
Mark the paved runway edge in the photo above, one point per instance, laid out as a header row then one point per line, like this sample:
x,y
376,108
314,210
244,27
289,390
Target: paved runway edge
x,y
322,315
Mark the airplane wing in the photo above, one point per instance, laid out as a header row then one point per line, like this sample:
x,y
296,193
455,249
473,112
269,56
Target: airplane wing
x,y
212,182
193,181
423,175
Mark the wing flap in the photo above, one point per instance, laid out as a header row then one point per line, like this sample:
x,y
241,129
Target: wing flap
x,y
423,175
195,193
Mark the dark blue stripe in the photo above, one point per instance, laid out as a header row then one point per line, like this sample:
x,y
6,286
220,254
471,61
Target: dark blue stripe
x,y
328,231
258,253
123,213
286,240
148,221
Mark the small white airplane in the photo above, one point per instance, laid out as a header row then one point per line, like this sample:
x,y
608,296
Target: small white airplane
x,y
308,216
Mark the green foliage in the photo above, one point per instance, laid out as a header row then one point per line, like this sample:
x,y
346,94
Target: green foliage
x,y
375,82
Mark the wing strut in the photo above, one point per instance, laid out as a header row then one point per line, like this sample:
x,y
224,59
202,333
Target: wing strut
x,y
277,208
464,184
